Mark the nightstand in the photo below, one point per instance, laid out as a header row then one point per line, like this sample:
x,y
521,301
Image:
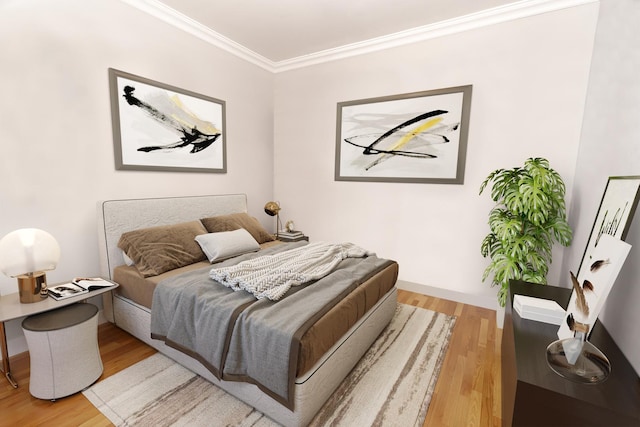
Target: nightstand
x,y
11,308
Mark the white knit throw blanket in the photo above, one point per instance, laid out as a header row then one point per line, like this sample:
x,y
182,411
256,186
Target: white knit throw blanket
x,y
271,276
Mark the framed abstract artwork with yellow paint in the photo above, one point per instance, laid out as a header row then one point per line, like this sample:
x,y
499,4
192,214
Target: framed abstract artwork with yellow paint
x,y
158,127
418,137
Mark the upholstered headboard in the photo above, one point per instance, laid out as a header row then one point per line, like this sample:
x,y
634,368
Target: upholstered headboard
x,y
118,216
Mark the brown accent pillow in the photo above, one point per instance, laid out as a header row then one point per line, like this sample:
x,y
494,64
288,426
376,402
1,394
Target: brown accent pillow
x,y
156,250
236,221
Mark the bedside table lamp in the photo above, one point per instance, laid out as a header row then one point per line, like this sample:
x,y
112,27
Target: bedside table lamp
x,y
26,254
273,209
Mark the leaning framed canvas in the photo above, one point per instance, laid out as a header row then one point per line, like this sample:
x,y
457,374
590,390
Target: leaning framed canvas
x,y
617,207
418,137
163,128
594,284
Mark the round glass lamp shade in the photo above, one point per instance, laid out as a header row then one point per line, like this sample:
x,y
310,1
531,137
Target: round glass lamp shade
x,y
272,208
28,250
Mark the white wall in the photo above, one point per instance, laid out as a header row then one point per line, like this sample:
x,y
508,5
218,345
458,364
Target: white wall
x,y
55,129
529,80
529,77
610,146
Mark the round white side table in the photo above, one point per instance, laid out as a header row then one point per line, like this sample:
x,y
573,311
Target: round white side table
x,y
63,347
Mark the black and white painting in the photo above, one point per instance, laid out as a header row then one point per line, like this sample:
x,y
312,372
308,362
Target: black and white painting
x,y
593,284
164,128
416,137
617,208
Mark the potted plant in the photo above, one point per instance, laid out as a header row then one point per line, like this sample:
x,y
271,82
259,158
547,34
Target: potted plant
x,y
529,216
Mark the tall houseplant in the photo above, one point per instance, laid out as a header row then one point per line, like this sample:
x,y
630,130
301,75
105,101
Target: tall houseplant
x,y
529,216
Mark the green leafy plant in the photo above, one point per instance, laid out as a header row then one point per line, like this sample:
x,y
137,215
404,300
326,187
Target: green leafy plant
x,y
529,216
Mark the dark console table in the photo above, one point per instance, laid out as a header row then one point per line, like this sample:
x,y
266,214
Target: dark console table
x,y
534,395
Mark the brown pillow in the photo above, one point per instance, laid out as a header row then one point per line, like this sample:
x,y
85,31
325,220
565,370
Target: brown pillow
x,y
155,250
236,221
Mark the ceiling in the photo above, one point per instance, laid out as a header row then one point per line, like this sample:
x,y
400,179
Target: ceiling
x,y
281,30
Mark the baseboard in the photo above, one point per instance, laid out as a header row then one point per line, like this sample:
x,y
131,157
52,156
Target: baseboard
x,y
477,300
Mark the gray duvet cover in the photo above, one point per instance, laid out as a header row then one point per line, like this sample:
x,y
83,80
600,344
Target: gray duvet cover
x,y
240,338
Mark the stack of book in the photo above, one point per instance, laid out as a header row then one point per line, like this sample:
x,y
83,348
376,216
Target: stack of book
x,y
291,236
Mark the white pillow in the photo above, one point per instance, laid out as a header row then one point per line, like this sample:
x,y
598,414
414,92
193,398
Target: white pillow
x,y
128,261
227,244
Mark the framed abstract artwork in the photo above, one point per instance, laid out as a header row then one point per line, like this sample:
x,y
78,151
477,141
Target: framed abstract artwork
x,y
158,127
418,137
617,207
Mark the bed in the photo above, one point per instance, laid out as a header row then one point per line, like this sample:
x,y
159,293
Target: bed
x,y
327,345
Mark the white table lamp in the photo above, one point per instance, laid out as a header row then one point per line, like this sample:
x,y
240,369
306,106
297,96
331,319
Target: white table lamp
x,y
26,254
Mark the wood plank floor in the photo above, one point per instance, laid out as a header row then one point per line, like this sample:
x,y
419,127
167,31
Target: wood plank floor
x,y
467,392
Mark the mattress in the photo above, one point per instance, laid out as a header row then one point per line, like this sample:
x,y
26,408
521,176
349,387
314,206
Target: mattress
x,y
315,342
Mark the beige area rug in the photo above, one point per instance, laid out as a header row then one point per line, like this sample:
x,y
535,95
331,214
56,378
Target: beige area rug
x,y
391,385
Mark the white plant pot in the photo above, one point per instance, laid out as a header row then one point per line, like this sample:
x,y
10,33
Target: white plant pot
x,y
499,316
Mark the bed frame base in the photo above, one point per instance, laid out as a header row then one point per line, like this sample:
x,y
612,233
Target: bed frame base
x,y
312,389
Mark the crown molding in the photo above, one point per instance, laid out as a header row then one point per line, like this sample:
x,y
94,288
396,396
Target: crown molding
x,y
172,17
497,15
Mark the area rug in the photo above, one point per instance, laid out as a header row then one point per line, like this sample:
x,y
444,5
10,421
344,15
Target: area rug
x,y
391,385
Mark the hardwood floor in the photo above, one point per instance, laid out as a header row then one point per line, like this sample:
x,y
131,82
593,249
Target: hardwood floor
x,y
467,392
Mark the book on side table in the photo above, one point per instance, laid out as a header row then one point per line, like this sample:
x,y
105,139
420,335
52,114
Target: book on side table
x,y
79,285
291,236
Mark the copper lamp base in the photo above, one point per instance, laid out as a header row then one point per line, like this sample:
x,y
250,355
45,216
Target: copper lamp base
x,y
32,287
